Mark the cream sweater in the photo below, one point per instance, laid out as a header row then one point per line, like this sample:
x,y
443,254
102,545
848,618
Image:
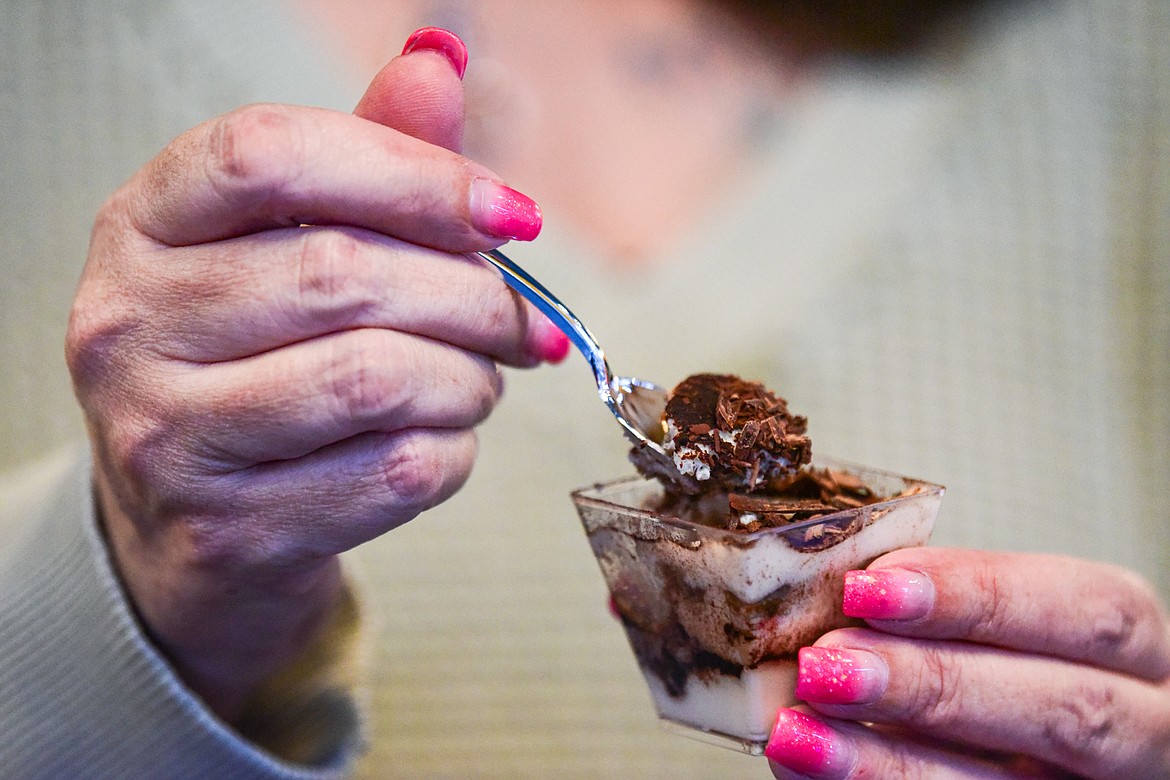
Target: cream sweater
x,y
957,270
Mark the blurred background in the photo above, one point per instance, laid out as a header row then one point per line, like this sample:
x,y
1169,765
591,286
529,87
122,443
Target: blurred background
x,y
941,230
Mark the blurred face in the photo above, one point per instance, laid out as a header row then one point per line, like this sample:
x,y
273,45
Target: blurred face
x,y
861,27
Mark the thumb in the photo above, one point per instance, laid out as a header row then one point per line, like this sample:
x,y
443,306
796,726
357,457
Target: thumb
x,y
420,92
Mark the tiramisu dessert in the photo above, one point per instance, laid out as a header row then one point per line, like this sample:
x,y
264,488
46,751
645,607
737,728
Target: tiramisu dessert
x,y
723,567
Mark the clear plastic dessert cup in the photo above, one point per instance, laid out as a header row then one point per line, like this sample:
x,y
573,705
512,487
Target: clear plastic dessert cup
x,y
715,617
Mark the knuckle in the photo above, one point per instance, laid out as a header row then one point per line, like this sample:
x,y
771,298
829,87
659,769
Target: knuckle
x,y
101,350
414,476
991,614
331,273
363,379
934,699
502,313
251,151
103,319
499,316
142,458
479,388
1126,624
1112,631
1084,723
91,343
102,338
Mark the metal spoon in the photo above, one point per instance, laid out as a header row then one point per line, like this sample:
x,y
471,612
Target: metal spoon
x,y
636,403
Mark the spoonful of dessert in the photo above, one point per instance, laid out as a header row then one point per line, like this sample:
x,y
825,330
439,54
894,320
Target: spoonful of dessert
x,y
637,404
711,433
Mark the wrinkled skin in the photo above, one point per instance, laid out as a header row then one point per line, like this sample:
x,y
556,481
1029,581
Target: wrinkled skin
x,y
1024,666
280,358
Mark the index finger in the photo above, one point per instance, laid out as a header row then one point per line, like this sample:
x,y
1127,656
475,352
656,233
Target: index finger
x,y
1065,607
265,166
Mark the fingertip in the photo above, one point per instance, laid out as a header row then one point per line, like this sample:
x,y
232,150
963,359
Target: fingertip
x,y
809,747
442,41
554,344
887,594
545,342
416,95
781,772
840,675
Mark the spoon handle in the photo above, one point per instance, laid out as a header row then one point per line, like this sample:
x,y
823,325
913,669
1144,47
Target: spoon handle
x,y
635,403
519,280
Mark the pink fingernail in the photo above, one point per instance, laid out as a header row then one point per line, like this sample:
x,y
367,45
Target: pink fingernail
x,y
443,41
832,675
554,344
887,594
807,746
503,212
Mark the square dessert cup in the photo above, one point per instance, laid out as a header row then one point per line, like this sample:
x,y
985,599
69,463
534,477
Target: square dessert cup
x,y
715,617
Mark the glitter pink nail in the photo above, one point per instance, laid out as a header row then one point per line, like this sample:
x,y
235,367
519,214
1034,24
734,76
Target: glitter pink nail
x,y
887,594
830,675
501,211
807,746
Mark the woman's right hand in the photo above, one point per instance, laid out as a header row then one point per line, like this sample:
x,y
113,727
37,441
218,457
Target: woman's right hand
x,y
282,351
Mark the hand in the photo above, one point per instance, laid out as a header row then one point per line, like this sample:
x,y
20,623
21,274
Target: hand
x,y
281,355
985,665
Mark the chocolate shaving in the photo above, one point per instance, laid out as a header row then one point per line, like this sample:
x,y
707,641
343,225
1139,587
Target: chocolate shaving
x,y
761,504
738,430
811,493
798,497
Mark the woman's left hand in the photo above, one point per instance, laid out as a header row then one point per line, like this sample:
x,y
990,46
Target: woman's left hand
x,y
978,664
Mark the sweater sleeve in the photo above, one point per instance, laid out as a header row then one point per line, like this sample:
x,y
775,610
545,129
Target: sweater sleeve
x,y
83,693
